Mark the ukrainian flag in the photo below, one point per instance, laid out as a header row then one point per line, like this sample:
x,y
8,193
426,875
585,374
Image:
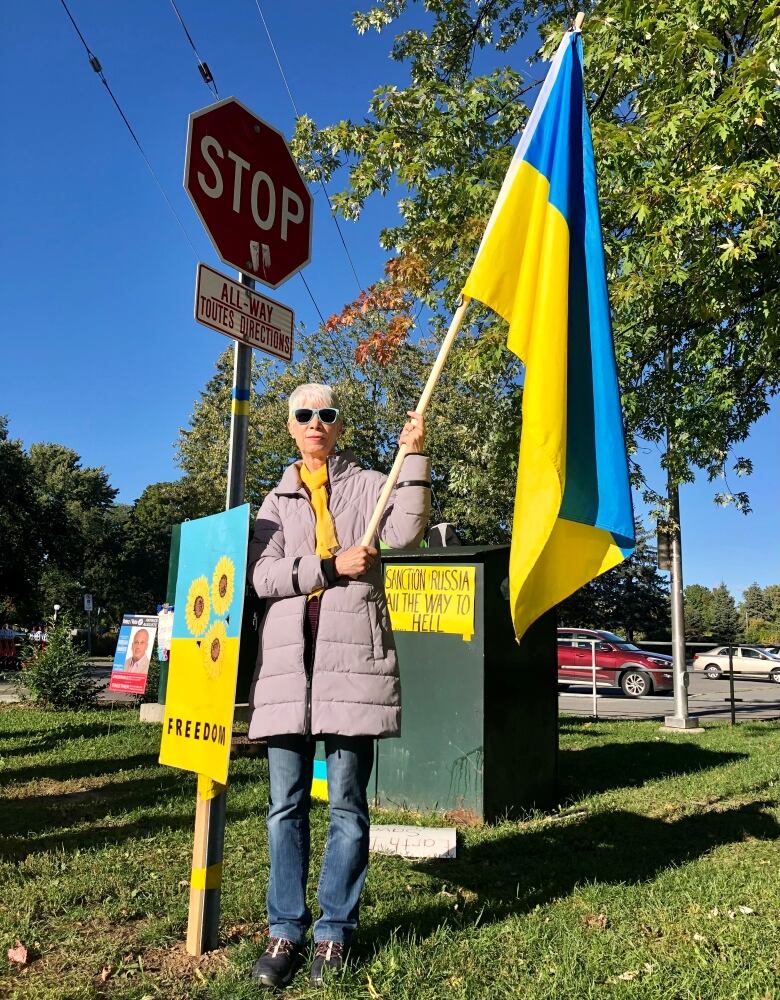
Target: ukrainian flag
x,y
541,267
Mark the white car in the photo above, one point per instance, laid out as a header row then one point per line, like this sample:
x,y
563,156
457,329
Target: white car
x,y
746,660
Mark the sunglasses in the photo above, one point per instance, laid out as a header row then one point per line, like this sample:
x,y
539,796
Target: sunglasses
x,y
327,414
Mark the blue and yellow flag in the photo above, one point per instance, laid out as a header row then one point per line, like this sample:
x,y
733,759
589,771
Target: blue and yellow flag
x,y
541,267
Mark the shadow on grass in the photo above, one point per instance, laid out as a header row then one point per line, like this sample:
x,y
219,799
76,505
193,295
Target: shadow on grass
x,y
87,768
34,743
494,880
626,765
92,817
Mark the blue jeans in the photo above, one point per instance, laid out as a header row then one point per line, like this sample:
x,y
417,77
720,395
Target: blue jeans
x,y
344,865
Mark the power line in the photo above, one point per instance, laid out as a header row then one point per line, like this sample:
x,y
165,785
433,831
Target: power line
x,y
203,67
321,178
314,301
319,171
95,64
325,327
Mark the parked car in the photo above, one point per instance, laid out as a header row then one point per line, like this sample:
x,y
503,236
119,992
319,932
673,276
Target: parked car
x,y
746,660
618,663
773,650
11,640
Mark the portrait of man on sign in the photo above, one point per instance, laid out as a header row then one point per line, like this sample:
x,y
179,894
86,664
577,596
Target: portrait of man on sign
x,y
138,661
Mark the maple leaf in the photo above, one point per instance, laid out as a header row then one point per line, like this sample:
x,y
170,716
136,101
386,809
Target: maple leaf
x,y
18,954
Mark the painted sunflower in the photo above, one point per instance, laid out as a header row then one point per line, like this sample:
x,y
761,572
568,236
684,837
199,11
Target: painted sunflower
x,y
213,649
198,608
223,585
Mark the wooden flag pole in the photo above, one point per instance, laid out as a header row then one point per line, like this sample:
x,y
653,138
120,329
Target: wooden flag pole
x,y
433,378
578,21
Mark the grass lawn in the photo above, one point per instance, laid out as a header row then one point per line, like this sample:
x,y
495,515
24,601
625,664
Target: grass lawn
x,y
659,877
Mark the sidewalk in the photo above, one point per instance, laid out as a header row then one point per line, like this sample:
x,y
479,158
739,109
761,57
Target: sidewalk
x,y
99,669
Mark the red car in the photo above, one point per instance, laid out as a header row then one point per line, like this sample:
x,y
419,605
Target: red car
x,y
618,663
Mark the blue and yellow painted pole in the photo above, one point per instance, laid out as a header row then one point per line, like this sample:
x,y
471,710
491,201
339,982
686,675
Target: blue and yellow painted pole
x,y
210,809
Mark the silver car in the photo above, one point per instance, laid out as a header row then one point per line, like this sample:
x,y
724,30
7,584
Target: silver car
x,y
746,660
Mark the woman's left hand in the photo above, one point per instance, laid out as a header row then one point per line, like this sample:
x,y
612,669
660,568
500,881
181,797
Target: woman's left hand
x,y
413,434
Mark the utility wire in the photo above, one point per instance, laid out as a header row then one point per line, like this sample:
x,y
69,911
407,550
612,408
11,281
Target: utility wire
x,y
95,64
319,171
321,177
311,296
203,67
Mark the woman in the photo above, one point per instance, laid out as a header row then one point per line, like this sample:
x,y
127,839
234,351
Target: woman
x,y
326,668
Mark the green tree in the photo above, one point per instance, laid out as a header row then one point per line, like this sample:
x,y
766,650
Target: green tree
x,y
633,597
756,604
697,602
20,517
724,617
80,530
147,541
55,676
683,101
772,593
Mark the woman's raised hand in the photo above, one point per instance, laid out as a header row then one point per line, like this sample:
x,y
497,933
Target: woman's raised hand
x,y
413,434
356,561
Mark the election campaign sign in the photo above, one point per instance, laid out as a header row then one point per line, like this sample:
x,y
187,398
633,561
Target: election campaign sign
x,y
204,645
133,652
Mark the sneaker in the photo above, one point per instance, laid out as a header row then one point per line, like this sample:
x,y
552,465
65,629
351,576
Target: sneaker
x,y
327,955
278,963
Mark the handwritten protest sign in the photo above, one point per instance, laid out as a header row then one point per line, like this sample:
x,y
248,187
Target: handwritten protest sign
x,y
431,598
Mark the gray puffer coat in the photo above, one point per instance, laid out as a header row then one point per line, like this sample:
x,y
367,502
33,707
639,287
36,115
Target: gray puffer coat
x,y
354,688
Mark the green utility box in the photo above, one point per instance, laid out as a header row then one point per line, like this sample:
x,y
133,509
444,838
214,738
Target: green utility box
x,y
479,732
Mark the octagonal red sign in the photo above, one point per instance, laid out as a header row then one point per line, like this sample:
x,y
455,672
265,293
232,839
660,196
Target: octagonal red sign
x,y
248,192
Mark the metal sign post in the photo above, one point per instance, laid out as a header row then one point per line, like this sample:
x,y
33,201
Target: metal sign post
x,y
593,678
731,685
680,719
88,609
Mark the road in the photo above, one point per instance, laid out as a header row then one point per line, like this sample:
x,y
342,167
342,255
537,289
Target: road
x,y
706,700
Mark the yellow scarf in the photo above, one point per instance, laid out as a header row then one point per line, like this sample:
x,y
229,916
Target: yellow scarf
x,y
324,530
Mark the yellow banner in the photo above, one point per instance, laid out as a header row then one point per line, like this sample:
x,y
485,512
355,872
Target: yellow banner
x,y
198,721
203,661
431,598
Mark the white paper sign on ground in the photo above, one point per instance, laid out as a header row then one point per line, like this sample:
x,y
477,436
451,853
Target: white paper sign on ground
x,y
413,841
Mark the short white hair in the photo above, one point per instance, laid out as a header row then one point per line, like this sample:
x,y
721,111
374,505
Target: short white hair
x,y
312,392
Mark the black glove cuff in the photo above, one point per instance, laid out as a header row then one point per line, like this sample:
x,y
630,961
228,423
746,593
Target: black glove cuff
x,y
329,569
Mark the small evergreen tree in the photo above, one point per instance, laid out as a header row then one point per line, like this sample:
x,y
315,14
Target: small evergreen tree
x,y
756,604
772,593
724,617
54,676
698,600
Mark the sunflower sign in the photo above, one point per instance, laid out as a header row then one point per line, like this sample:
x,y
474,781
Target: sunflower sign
x,y
204,645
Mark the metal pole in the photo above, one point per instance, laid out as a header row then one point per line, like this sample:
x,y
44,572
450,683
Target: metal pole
x,y
239,417
680,719
731,685
593,678
210,809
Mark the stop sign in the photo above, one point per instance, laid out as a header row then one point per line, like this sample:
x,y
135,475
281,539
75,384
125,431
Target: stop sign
x,y
248,192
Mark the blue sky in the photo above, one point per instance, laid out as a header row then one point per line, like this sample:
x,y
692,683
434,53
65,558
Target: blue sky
x,y
100,349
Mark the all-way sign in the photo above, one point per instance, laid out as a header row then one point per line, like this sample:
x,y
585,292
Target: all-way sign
x,y
243,314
